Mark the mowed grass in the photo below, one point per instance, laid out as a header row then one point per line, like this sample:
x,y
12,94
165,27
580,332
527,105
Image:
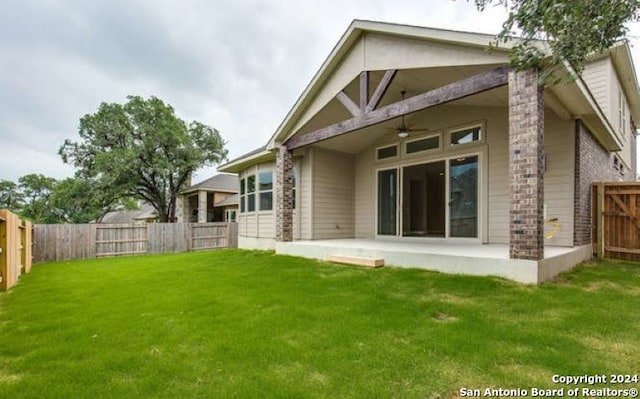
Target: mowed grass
x,y
253,324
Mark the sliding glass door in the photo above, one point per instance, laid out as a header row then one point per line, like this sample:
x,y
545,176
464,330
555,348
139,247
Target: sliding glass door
x,y
463,197
422,191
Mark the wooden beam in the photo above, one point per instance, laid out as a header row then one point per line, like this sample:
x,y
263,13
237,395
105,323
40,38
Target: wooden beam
x,y
348,103
364,91
381,89
442,95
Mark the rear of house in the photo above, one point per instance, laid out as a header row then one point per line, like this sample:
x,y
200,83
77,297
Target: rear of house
x,y
422,142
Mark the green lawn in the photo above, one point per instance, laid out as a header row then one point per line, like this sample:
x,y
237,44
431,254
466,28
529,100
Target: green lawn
x,y
253,324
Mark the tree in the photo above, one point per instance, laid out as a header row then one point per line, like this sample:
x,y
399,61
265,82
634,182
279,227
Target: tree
x,y
36,192
143,150
574,29
80,200
10,196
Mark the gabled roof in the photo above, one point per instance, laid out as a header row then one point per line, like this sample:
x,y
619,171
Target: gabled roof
x,y
221,182
230,200
576,97
145,212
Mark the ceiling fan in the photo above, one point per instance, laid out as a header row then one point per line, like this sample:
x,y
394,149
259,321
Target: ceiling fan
x,y
403,130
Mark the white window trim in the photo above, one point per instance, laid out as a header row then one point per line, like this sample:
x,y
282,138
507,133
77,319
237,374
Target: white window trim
x,y
387,146
423,137
455,129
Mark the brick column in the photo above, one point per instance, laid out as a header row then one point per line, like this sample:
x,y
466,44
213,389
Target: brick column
x,y
284,195
202,206
526,165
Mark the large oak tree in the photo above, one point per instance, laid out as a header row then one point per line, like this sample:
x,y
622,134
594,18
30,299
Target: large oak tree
x,y
143,150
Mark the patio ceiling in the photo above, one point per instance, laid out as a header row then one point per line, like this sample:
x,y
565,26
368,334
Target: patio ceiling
x,y
414,82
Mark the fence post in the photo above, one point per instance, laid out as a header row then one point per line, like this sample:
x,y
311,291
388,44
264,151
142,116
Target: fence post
x,y
600,220
26,247
232,235
3,250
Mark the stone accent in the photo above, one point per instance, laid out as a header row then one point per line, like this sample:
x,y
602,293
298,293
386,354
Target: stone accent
x,y
593,163
284,195
526,166
202,206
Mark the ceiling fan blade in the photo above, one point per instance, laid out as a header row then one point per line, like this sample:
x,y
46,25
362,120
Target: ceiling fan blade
x,y
418,130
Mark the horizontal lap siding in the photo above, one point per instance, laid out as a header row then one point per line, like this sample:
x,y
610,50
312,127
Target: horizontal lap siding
x,y
559,177
304,203
333,195
365,200
597,76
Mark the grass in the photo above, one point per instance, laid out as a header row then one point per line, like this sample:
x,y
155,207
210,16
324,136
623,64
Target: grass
x,y
254,324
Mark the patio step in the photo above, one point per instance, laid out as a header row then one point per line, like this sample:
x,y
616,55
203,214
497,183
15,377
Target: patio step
x,y
356,260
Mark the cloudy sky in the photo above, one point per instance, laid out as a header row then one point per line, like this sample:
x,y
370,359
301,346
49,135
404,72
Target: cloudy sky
x,y
237,65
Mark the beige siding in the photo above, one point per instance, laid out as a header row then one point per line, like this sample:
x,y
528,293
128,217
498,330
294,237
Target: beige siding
x,y
559,143
365,194
304,196
597,76
333,195
389,52
259,224
602,80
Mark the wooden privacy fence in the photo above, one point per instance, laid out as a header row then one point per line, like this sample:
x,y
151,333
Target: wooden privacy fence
x,y
53,242
15,248
616,220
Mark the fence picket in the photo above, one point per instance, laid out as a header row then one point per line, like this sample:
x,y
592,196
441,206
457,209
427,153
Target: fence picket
x,y
85,241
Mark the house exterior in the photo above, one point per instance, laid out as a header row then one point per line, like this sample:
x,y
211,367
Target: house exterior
x,y
146,214
209,201
417,142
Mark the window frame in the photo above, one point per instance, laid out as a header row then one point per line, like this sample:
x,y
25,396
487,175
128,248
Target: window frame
x,y
396,156
260,191
423,137
469,126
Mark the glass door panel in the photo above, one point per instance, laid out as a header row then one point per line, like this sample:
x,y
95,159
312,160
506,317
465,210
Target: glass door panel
x,y
387,201
463,197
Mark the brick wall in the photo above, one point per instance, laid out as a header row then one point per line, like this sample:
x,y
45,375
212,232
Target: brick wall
x,y
284,195
592,163
526,185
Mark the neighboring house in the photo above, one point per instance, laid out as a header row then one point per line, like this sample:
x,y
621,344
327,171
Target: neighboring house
x,y
208,201
146,214
467,190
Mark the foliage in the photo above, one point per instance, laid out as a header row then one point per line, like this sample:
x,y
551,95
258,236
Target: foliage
x,y
80,200
573,29
247,324
44,199
143,150
10,196
36,191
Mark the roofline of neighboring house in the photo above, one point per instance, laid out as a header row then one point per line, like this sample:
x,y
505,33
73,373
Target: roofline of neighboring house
x,y
215,190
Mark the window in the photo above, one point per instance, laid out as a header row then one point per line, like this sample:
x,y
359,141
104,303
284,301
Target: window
x,y
242,196
251,193
231,216
265,189
466,135
622,103
424,144
388,152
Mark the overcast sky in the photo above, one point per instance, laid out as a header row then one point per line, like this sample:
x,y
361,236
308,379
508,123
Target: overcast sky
x,y
236,65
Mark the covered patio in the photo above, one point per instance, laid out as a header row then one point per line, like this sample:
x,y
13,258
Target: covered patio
x,y
446,257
